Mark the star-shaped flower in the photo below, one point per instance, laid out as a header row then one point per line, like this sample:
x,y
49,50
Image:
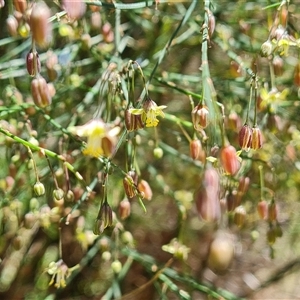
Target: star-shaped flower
x,y
149,112
101,138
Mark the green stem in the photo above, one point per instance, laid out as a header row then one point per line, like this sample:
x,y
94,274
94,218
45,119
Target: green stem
x,y
32,146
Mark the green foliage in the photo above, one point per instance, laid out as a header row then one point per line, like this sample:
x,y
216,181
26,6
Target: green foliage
x,y
143,144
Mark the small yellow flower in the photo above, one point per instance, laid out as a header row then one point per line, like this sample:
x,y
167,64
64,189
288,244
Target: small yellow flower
x,y
271,99
149,112
101,139
60,272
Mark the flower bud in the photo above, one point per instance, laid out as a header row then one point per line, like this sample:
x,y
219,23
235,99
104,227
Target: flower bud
x,y
272,211
116,266
12,25
195,148
200,117
39,25
266,49
133,122
33,63
70,196
158,152
256,138
232,201
271,236
124,209
74,8
58,194
297,75
129,186
278,65
20,5
96,20
145,190
104,219
239,216
40,92
2,3
278,230
221,253
244,183
107,32
262,209
245,137
39,188
207,196
229,160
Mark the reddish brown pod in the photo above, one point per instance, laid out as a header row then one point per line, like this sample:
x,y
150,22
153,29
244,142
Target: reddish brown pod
x,y
207,196
245,137
40,92
229,160
74,8
40,27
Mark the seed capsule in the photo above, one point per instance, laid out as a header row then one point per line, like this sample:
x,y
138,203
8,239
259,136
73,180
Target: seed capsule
x,y
266,49
33,63
39,188
124,209
229,160
200,117
256,138
40,92
262,209
245,137
39,25
145,189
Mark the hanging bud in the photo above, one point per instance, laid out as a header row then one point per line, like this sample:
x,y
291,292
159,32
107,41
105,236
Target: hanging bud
x,y
195,148
277,63
239,216
104,219
129,186
39,25
33,63
145,190
232,201
271,236
20,5
207,196
133,122
262,209
256,138
229,160
116,266
74,8
272,211
221,252
158,152
297,75
12,25
39,188
200,117
58,194
245,137
266,49
40,92
124,209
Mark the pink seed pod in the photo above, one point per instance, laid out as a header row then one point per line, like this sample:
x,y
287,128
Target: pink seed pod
x,y
256,138
229,160
74,8
40,92
145,189
33,63
200,117
40,27
245,137
207,196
